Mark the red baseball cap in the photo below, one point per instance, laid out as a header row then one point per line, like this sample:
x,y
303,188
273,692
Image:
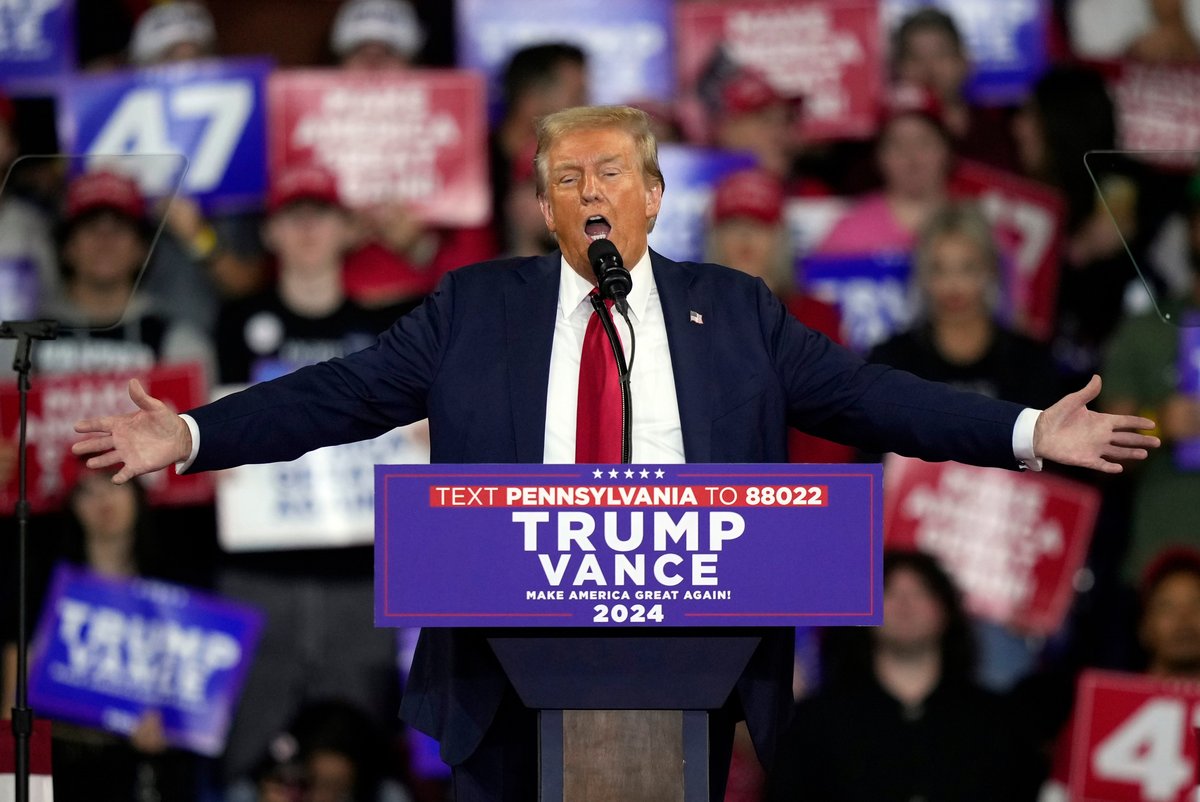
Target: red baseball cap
x,y
753,193
905,99
1170,560
105,189
309,182
747,90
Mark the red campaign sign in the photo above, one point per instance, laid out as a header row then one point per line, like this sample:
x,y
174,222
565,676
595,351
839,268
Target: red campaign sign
x,y
1027,220
57,402
829,54
1134,739
418,137
1158,108
1013,541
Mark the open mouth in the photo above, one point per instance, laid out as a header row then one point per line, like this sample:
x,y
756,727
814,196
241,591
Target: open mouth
x,y
596,227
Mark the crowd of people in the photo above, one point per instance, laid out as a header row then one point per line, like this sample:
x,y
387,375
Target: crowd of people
x,y
940,704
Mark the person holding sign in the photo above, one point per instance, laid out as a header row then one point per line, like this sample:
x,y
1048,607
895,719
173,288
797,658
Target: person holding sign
x,y
107,530
1169,632
494,359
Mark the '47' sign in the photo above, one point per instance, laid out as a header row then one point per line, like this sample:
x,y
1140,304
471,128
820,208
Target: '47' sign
x,y
212,112
1134,739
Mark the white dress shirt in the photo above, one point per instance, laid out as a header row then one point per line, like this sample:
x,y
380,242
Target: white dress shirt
x,y
657,433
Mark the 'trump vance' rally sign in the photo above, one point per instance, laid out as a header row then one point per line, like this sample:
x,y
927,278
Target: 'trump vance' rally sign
x,y
646,545
106,651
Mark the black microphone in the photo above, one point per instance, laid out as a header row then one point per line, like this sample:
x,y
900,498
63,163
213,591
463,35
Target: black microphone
x,y
611,276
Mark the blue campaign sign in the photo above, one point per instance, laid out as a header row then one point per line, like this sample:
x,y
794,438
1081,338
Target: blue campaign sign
x,y
628,42
37,40
633,545
212,112
870,290
1006,42
690,174
1187,450
106,651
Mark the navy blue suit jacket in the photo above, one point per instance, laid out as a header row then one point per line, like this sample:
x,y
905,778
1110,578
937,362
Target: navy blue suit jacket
x,y
475,360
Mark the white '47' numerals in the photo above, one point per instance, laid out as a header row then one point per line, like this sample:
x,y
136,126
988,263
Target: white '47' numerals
x,y
1148,750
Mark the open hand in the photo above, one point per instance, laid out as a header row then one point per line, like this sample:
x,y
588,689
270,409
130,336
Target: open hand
x,y
144,441
1071,434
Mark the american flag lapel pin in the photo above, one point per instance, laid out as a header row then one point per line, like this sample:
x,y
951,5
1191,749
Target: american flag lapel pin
x,y
696,317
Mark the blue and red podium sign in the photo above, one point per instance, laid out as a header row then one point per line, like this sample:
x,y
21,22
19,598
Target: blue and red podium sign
x,y
628,545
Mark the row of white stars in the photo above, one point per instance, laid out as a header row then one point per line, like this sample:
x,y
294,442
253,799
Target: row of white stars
x,y
629,473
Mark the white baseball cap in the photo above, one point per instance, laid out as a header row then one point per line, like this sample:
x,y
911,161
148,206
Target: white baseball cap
x,y
169,24
392,22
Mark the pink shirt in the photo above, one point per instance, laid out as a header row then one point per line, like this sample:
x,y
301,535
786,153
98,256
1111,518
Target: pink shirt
x,y
868,227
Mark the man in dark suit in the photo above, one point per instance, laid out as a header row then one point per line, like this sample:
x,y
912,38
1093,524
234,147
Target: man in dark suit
x,y
493,360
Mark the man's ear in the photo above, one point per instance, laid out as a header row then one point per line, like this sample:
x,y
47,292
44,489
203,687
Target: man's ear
x,y
547,213
653,200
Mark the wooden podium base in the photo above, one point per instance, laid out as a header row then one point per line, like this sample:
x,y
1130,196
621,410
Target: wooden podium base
x,y
623,755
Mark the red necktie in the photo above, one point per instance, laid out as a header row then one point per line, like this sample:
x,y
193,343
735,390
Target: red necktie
x,y
598,413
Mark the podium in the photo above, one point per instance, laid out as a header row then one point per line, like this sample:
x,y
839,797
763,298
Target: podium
x,y
646,581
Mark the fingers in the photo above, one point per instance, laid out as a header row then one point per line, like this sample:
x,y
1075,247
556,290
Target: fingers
x,y
1132,423
94,425
140,397
1090,391
93,445
104,460
1134,440
1126,454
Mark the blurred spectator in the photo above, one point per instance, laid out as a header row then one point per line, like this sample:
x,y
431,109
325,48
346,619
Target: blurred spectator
x,y
376,35
1169,633
1141,372
749,233
526,233
746,113
103,239
899,716
201,258
928,51
401,258
1162,31
959,339
915,158
331,752
1069,114
538,80
27,265
664,121
306,317
107,530
318,639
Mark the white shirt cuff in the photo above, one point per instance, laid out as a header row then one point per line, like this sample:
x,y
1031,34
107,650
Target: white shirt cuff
x,y
1022,440
180,467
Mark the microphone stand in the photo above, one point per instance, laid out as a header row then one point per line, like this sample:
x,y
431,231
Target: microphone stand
x,y
622,376
24,332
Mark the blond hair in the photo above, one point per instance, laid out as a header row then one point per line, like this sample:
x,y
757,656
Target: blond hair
x,y
633,121
963,219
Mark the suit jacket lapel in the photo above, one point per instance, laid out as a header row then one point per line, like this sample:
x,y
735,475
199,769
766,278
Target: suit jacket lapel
x,y
690,347
530,310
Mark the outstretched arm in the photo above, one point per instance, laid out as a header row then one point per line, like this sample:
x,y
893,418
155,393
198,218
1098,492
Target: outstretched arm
x,y
144,441
1071,434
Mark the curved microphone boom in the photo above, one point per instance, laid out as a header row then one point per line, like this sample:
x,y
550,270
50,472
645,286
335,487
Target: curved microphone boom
x,y
611,276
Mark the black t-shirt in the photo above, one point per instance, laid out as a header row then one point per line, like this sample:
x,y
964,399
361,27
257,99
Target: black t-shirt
x,y
260,338
859,744
1013,368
